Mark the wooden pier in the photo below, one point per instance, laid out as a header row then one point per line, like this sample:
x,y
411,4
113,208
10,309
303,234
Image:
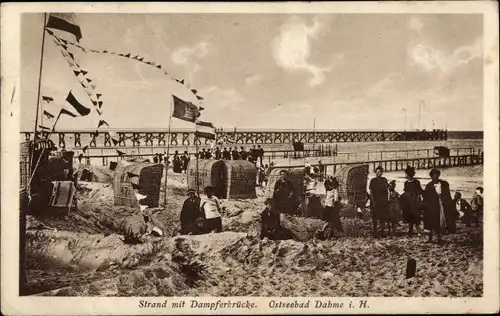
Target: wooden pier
x,y
399,164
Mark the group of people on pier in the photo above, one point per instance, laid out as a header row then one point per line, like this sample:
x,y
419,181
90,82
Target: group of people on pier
x,y
254,154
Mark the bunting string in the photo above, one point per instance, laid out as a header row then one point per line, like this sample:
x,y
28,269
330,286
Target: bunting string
x,y
81,74
137,58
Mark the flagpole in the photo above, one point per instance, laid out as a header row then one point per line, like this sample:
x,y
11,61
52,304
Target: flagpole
x,y
22,228
168,149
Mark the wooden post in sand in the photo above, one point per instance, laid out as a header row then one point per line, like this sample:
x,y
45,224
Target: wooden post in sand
x,y
411,268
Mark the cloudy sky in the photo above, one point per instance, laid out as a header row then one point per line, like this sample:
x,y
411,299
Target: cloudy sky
x,y
341,71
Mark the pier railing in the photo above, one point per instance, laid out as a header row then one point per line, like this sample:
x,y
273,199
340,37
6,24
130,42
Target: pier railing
x,y
399,164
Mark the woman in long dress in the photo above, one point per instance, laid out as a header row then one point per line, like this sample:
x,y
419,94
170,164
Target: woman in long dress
x,y
411,201
438,207
332,205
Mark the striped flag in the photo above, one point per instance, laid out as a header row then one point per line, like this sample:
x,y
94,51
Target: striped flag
x,y
205,130
65,22
82,110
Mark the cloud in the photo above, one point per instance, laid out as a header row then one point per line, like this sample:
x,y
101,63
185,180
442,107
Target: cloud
x,y
291,48
217,98
430,58
187,57
416,25
253,79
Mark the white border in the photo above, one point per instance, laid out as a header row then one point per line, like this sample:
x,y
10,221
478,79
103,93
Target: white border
x,y
12,304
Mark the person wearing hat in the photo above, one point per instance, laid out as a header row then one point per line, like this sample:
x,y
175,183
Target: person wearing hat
x,y
379,204
439,213
411,201
211,208
191,216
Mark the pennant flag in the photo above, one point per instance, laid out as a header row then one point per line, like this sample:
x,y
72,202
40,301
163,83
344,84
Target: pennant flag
x,y
136,57
128,55
89,80
85,148
49,31
143,207
93,86
205,130
140,196
194,91
149,63
105,51
182,81
65,22
201,108
115,141
83,84
184,110
141,59
72,56
121,55
64,111
100,112
63,40
159,66
94,103
102,122
100,104
82,110
165,73
47,99
48,115
89,93
44,128
98,95
84,72
135,186
76,72
66,47
120,153
132,175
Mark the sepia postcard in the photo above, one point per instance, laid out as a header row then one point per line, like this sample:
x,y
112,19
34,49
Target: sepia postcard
x,y
250,158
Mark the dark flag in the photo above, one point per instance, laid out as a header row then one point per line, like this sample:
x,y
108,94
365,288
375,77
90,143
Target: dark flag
x,y
50,32
141,59
94,103
184,110
76,72
115,141
201,108
98,95
205,130
121,55
82,110
199,98
120,153
105,51
48,115
100,113
64,111
47,99
85,148
182,81
71,55
128,55
135,57
93,86
84,72
194,91
65,22
44,128
159,66
101,123
89,80
100,104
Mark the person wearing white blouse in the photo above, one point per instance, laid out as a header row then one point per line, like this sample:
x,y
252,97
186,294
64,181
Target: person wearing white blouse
x,y
210,206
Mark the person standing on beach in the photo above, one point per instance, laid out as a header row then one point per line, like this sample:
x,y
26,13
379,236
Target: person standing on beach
x,y
226,155
235,154
283,194
394,209
477,205
411,201
438,206
210,206
463,208
191,216
332,204
379,203
260,151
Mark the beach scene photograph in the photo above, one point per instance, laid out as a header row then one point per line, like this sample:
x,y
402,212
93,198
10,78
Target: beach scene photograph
x,y
259,155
